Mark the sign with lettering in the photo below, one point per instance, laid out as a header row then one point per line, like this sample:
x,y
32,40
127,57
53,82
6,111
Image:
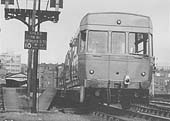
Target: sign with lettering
x,y
35,40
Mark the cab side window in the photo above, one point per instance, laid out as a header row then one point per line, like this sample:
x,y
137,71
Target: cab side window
x,y
82,40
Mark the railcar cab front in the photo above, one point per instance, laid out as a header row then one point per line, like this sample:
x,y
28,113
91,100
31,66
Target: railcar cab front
x,y
111,52
116,55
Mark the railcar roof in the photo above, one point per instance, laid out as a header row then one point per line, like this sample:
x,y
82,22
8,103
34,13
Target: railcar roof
x,y
111,18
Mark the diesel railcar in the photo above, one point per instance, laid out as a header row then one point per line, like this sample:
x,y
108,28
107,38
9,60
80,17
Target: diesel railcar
x,y
110,59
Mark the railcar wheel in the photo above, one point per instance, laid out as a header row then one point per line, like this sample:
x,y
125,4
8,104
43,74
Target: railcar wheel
x,y
125,103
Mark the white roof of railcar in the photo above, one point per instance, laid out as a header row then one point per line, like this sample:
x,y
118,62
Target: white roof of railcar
x,y
111,18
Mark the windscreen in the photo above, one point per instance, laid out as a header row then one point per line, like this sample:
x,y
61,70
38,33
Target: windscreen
x,y
97,41
139,43
118,42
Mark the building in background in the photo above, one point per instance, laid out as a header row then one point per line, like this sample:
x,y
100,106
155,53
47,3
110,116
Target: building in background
x,y
47,75
3,73
11,62
162,80
24,68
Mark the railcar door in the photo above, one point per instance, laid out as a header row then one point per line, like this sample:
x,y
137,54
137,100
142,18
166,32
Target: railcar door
x,y
117,65
117,59
97,58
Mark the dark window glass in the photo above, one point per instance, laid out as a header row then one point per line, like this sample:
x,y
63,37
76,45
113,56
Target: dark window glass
x,y
138,43
82,40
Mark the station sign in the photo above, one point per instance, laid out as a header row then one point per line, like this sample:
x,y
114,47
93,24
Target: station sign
x,y
35,40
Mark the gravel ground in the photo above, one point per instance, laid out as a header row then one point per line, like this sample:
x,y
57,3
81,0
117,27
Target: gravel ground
x,y
45,116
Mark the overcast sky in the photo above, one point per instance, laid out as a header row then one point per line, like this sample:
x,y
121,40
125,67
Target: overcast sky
x,y
59,34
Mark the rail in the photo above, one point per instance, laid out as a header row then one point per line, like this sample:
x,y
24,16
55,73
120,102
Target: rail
x,y
135,113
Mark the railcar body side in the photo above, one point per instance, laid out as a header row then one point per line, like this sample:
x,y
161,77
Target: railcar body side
x,y
110,58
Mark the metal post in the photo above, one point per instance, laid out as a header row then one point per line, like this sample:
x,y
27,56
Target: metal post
x,y
57,77
35,58
152,84
29,70
36,55
35,65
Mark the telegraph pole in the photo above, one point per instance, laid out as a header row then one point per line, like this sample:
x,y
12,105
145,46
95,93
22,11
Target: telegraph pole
x,y
29,69
35,60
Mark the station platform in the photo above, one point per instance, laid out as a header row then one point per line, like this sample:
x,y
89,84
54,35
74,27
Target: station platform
x,y
45,99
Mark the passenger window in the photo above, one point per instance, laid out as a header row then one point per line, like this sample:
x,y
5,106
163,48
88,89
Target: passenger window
x,y
75,51
150,46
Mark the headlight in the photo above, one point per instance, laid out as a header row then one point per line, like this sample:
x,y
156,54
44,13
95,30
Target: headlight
x,y
91,71
143,74
119,22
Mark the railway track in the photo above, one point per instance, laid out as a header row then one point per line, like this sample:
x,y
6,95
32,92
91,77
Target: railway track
x,y
135,113
166,103
163,99
155,111
162,105
152,112
114,113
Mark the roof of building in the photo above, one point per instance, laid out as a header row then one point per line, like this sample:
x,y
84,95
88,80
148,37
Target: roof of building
x,y
16,76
